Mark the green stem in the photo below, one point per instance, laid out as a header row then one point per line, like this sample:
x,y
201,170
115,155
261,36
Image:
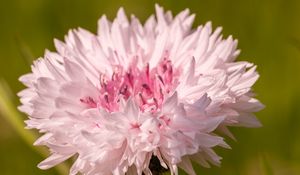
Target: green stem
x,y
266,167
15,119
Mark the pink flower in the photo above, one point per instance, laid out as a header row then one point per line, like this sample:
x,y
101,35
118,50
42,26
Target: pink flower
x,y
136,96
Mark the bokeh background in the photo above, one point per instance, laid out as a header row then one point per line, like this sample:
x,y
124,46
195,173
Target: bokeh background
x,y
269,35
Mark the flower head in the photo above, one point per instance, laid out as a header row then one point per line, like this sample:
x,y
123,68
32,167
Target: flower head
x,y
135,95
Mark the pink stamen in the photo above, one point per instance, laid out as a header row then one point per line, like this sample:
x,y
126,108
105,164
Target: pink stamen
x,y
89,101
135,126
147,87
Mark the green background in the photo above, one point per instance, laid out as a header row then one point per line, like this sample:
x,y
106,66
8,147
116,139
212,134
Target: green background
x,y
269,35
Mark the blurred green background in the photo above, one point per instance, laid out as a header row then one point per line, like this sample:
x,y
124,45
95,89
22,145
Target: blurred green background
x,y
269,35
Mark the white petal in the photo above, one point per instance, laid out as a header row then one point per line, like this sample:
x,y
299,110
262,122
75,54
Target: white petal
x,y
53,160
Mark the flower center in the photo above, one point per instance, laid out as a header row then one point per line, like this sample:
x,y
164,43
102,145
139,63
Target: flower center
x,y
147,87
